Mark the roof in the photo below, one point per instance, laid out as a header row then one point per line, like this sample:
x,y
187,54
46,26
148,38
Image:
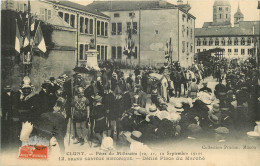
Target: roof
x,y
58,21
208,24
127,5
239,14
245,29
221,3
80,7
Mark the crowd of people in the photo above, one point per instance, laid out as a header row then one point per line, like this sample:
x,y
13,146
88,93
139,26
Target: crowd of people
x,y
136,108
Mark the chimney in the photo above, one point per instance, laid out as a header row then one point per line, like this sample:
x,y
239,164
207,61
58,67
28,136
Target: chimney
x,y
162,3
179,2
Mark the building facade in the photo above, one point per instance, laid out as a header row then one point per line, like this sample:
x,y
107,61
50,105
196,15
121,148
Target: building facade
x,y
155,23
239,41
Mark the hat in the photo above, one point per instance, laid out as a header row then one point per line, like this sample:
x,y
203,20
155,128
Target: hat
x,y
222,130
134,136
97,98
47,81
107,143
44,85
7,87
152,108
52,78
178,107
215,107
213,118
26,80
64,76
205,82
163,115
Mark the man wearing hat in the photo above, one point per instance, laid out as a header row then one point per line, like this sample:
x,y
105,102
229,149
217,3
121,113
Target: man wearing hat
x,y
130,80
99,116
219,88
7,111
80,115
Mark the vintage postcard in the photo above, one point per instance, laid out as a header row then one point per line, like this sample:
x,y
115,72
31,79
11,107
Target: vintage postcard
x,y
130,82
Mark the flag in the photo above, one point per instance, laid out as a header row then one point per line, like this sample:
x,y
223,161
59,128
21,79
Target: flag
x,y
26,39
39,39
17,39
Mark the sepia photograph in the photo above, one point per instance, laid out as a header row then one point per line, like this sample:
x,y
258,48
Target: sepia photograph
x,y
130,82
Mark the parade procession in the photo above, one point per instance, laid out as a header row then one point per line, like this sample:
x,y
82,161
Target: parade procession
x,y
67,83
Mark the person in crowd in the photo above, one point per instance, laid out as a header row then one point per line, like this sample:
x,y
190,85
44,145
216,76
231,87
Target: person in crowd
x,y
80,115
193,89
130,80
205,87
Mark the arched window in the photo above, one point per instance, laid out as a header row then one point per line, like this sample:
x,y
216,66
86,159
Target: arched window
x,y
210,42
223,42
249,41
229,41
198,42
205,42
243,42
236,41
216,42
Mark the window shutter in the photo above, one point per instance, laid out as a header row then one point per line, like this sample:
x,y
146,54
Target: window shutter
x,y
42,13
49,14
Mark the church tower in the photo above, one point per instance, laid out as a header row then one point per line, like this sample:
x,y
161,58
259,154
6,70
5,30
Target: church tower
x,y
238,16
221,13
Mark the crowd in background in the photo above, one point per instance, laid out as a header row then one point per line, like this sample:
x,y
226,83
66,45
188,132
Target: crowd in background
x,y
136,108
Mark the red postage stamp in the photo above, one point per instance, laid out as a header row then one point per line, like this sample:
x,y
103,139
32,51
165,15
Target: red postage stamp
x,y
33,152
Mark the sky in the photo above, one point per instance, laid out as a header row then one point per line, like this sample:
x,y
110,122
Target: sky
x,y
203,9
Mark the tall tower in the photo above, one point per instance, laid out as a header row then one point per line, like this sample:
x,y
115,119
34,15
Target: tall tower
x,y
222,13
238,16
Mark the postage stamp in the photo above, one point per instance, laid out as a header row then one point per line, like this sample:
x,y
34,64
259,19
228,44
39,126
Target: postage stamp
x,y
33,152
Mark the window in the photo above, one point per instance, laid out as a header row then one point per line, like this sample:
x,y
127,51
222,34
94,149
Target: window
x,y
191,47
210,42
81,24
98,27
135,54
198,42
226,15
236,42
98,50
91,26
187,31
183,46
72,20
220,8
119,52
242,51
236,51
204,42
102,28
249,51
229,41
113,52
61,14
113,29
22,7
191,33
119,28
156,32
216,42
243,42
204,50
183,30
86,25
223,42
45,14
102,52
105,52
183,17
249,41
116,15
67,18
219,15
187,47
134,27
106,28
131,14
81,52
198,50
226,8
229,51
